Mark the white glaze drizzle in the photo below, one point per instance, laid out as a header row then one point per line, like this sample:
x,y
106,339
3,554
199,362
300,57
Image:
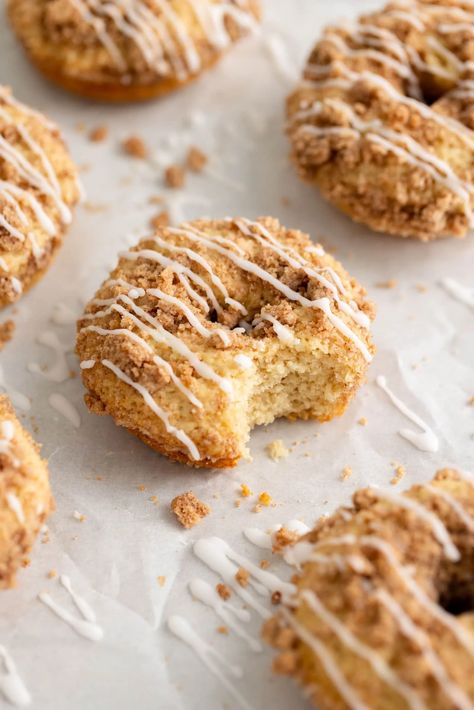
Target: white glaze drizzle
x,y
162,38
243,361
438,528
63,315
461,293
283,333
59,371
427,441
87,626
11,684
15,505
264,539
182,629
203,592
18,399
87,364
83,606
222,559
62,405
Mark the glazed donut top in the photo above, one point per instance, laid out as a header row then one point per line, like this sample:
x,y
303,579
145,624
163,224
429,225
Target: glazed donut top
x,y
157,37
402,78
383,612
38,187
200,299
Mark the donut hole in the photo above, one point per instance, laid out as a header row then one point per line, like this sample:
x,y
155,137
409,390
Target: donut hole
x,y
458,596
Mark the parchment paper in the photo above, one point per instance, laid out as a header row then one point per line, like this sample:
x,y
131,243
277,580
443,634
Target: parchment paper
x,y
425,348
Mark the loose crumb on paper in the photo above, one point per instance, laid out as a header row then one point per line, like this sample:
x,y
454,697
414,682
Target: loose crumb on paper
x,y
98,134
223,591
265,499
390,283
78,516
52,574
276,597
363,421
161,579
175,176
135,147
471,401
282,538
277,450
189,510
196,160
400,472
222,630
245,491
242,577
264,564
7,329
162,219
346,473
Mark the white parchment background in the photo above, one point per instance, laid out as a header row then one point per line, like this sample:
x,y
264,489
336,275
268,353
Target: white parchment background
x,y
425,348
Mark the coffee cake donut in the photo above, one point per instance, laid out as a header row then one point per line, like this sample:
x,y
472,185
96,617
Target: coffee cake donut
x,y
381,123
382,614
128,51
38,188
25,496
204,331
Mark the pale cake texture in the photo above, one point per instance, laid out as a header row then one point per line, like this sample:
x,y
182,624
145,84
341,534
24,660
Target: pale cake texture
x,y
382,614
38,190
381,122
115,51
203,332
25,495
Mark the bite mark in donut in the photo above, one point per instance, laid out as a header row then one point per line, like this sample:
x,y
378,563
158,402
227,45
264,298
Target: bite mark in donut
x,y
205,331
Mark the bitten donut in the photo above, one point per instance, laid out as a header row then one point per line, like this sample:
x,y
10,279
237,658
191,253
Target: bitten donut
x,y
128,51
25,496
206,330
382,616
38,189
382,120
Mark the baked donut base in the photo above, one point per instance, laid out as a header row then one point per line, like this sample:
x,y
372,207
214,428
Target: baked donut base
x,y
114,92
30,277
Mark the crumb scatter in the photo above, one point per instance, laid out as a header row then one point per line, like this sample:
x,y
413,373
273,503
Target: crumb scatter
x,y
189,510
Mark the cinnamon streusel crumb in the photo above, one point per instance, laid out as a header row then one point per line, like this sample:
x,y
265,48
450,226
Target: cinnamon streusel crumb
x,y
135,147
175,176
7,330
189,510
196,160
